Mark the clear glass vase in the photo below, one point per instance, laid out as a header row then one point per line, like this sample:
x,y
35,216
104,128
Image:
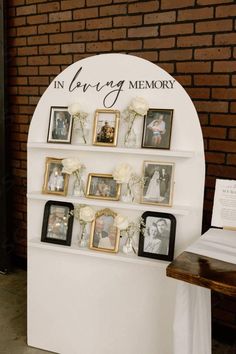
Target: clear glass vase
x,y
83,235
131,139
128,246
78,187
81,135
126,193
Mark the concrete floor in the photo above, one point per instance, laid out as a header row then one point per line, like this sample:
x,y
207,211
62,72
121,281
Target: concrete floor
x,y
13,318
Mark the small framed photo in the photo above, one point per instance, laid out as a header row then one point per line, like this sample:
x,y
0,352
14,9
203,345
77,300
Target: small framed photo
x,y
102,186
157,128
104,235
57,223
157,236
60,125
55,182
106,125
158,185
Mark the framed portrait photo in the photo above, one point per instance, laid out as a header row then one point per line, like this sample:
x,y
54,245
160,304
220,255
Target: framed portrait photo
x,y
104,235
60,125
158,183
157,236
55,182
57,223
102,186
157,129
106,125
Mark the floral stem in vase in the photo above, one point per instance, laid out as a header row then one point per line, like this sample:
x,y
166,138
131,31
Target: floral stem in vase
x,y
82,130
83,235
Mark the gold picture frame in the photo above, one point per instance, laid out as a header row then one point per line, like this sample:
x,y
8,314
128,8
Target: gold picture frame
x,y
55,182
102,186
106,125
158,185
104,235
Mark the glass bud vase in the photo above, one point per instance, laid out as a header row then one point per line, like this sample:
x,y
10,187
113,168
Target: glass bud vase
x,y
81,135
83,235
78,187
128,246
126,195
131,139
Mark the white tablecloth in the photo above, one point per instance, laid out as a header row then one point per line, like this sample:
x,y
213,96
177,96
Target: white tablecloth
x,y
192,324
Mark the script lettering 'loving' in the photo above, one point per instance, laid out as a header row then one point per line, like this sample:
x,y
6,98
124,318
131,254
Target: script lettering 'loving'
x,y
110,98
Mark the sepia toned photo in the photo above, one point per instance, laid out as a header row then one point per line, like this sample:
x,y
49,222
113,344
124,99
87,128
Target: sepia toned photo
x,y
102,186
157,128
106,125
158,185
60,125
55,182
157,236
57,223
104,235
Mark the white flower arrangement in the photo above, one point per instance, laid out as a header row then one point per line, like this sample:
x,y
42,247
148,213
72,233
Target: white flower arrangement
x,y
85,214
79,116
138,107
72,166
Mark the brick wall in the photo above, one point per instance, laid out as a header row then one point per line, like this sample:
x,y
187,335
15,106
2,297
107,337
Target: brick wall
x,y
192,39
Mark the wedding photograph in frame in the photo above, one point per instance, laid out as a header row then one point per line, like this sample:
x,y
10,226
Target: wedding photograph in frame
x,y
55,182
60,125
57,223
102,186
104,235
157,236
157,127
106,125
158,183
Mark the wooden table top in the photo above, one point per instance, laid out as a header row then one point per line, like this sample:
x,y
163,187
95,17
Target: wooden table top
x,y
204,271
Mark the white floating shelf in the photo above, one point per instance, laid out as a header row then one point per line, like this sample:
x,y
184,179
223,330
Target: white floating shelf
x,y
176,209
108,149
121,257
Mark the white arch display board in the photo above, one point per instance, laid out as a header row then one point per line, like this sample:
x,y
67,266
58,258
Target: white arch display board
x,y
81,301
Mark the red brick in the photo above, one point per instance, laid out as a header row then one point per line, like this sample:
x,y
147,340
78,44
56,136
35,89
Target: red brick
x,y
99,23
224,93
38,40
46,28
49,70
37,19
143,6
49,7
127,21
88,36
223,145
211,80
198,93
214,26
83,14
72,4
20,61
234,80
33,100
194,67
38,60
184,80
18,80
225,38
222,171
60,16
72,48
226,11
16,2
112,34
28,70
169,68
195,14
17,41
224,66
16,21
60,38
60,59
27,50
213,132
223,120
215,157
26,10
49,49
127,45
212,2
160,17
99,47
113,10
203,117
233,107
29,90
209,106
159,43
232,133
231,159
173,29
212,53
40,80
72,26
175,55
151,56
26,31
33,1
95,2
143,32
170,4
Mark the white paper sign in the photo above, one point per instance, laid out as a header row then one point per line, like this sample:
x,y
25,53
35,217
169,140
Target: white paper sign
x,y
224,207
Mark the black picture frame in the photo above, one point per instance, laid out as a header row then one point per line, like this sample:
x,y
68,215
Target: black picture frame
x,y
157,236
60,125
157,128
57,223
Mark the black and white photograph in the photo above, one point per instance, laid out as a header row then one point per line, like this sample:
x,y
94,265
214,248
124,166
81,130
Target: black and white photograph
x,y
60,125
106,124
57,223
157,237
102,186
104,235
157,128
158,183
55,182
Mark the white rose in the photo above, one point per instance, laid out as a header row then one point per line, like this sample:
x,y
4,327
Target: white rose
x,y
74,108
87,214
121,222
70,165
139,106
122,173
